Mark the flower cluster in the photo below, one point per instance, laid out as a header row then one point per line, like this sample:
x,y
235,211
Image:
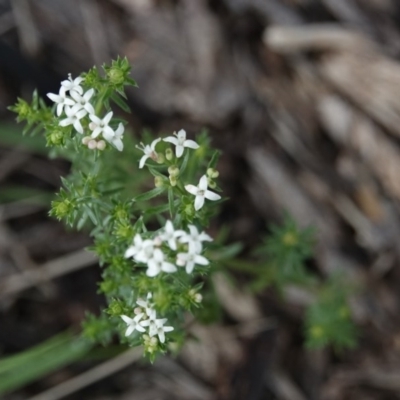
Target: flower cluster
x,y
80,113
183,250
145,319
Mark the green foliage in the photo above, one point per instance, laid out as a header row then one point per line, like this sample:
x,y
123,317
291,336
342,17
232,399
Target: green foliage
x,y
107,194
328,320
28,366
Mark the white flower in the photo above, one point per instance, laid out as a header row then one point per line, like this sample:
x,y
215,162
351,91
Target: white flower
x,y
170,235
101,126
156,327
73,85
133,324
83,101
146,305
201,193
195,239
181,142
157,264
116,138
190,260
149,151
141,250
74,115
61,99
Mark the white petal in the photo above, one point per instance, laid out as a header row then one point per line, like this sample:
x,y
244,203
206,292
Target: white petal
x,y
161,335
152,270
179,150
130,252
189,267
108,133
89,108
120,129
96,132
191,144
211,195
181,135
153,143
66,122
192,189
107,118
80,114
60,107
88,94
95,119
201,260
171,139
126,319
76,96
78,126
129,331
198,202
140,328
142,161
168,267
56,98
118,144
168,328
172,244
152,330
203,183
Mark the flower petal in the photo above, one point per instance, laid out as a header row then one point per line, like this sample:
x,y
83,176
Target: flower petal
x,y
191,144
203,183
142,161
198,202
171,139
179,150
211,195
192,189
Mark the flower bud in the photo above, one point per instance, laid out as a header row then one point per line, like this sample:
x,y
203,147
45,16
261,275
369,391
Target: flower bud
x,y
92,126
101,145
198,298
116,76
86,140
173,170
211,183
137,310
158,182
172,180
169,154
160,158
212,173
92,144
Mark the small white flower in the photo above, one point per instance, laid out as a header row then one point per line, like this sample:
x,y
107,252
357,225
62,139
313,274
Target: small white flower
x,y
181,142
73,85
149,152
141,250
201,193
84,101
190,260
116,138
156,327
195,239
170,235
74,115
158,264
101,126
61,99
146,305
133,324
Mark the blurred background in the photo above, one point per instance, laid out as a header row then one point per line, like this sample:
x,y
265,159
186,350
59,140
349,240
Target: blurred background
x,y
303,98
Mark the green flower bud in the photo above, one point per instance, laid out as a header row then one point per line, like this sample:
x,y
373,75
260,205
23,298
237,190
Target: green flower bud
x,y
116,75
62,209
169,155
211,183
172,180
160,158
158,182
55,138
212,173
173,170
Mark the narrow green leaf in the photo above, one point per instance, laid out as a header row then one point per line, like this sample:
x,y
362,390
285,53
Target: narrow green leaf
x,y
171,202
149,195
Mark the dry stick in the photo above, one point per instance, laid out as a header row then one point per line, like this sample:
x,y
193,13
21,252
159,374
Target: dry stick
x,y
93,375
50,270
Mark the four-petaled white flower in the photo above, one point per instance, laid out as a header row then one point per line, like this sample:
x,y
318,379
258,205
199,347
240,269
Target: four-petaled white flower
x,y
116,138
189,260
170,235
149,152
74,115
133,324
84,101
181,142
101,125
195,239
61,99
73,85
158,263
201,192
156,327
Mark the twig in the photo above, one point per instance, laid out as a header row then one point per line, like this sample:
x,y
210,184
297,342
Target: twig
x,y
50,270
89,377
